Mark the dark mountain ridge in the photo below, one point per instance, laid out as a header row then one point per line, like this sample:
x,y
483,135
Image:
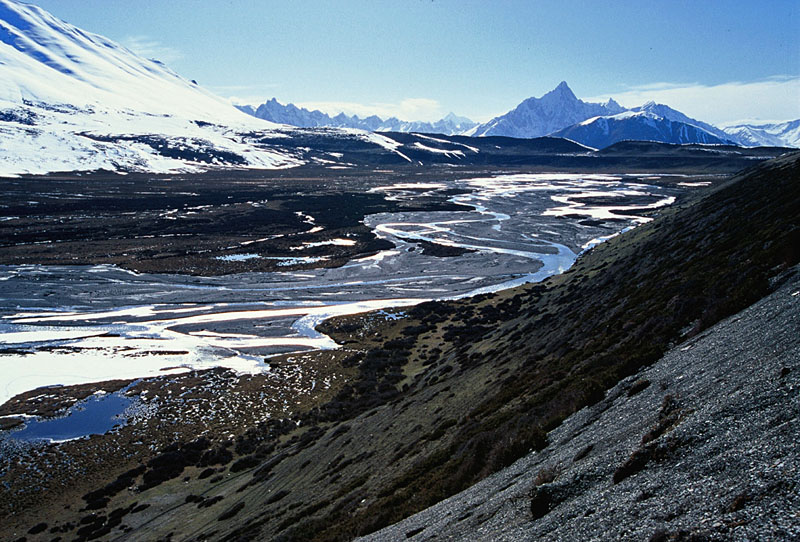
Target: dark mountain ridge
x,y
326,146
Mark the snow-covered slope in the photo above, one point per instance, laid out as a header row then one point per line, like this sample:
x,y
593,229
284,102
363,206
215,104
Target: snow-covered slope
x,y
72,100
666,112
274,111
641,125
784,134
536,117
46,60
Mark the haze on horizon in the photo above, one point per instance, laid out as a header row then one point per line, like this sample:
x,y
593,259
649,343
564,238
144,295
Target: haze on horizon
x,y
719,62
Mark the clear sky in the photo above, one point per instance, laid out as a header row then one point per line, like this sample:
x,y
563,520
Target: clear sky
x,y
719,61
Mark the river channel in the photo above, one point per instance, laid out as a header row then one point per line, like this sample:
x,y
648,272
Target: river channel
x,y
64,325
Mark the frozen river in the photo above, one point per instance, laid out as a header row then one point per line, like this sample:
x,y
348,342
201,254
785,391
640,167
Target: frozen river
x,y
70,325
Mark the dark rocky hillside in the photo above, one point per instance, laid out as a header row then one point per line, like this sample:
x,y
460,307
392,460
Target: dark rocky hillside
x,y
446,394
328,146
699,446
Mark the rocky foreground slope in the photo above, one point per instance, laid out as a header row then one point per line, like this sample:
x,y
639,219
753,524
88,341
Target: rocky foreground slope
x,y
423,404
702,445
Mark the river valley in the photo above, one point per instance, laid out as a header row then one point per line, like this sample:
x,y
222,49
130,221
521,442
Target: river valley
x,y
66,325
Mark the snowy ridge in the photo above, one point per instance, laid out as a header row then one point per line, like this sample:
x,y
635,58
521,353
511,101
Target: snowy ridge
x,y
666,112
72,100
378,139
45,60
642,124
778,134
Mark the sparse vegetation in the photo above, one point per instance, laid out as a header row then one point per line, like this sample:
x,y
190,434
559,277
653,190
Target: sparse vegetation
x,y
547,475
638,387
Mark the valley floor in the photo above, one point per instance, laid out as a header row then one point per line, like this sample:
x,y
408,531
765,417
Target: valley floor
x,y
344,244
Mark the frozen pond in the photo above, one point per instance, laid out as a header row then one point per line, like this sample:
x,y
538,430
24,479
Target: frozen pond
x,y
70,325
93,416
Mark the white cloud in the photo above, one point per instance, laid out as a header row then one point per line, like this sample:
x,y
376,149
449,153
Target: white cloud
x,y
150,48
422,109
773,99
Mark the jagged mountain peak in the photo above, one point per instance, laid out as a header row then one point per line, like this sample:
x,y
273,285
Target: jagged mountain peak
x,y
559,96
561,91
536,117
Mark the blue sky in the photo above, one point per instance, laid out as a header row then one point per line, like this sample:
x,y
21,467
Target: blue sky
x,y
418,59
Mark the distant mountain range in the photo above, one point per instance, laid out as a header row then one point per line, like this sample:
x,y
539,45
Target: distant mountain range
x,y
558,113
274,111
71,100
786,134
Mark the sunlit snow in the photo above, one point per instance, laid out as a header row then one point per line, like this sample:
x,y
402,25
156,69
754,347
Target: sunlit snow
x,y
75,101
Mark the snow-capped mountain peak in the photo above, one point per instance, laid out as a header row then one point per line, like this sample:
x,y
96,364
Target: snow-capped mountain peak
x,y
457,119
561,92
536,117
